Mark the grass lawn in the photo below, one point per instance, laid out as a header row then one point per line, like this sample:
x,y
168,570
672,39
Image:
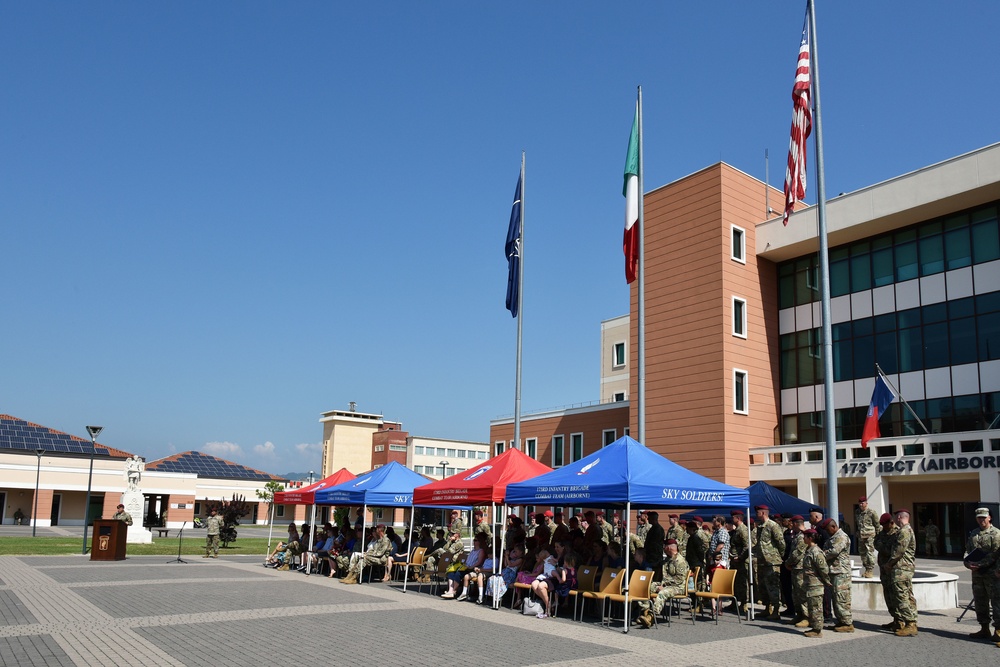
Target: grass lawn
x,y
162,546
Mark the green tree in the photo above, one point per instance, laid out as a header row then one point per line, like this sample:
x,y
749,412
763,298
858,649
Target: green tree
x,y
230,511
267,493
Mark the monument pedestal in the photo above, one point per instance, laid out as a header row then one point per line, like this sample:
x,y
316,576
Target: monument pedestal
x,y
137,534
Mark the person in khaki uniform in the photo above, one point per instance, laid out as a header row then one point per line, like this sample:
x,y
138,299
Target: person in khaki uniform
x,y
796,551
838,557
815,575
769,549
673,582
985,572
214,525
866,525
377,554
452,547
122,515
883,545
739,559
900,567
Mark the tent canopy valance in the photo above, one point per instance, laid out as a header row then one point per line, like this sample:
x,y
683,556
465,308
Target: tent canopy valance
x,y
307,494
484,484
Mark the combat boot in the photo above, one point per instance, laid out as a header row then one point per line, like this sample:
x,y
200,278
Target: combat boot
x,y
868,574
892,625
908,630
844,628
772,614
983,633
351,578
813,633
803,623
996,635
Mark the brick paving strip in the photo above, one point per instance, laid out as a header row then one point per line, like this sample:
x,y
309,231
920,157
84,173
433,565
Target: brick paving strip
x,y
68,611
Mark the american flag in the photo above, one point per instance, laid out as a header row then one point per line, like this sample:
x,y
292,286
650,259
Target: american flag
x,y
795,172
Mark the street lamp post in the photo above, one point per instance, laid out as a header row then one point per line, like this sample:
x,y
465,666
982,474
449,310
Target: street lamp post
x,y
444,473
94,431
38,476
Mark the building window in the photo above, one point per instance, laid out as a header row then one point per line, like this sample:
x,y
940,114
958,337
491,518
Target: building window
x,y
618,355
609,436
397,448
418,469
440,451
481,455
451,471
740,392
619,397
451,452
558,451
576,443
379,448
461,453
531,447
498,447
627,432
279,511
739,317
418,450
738,246
197,509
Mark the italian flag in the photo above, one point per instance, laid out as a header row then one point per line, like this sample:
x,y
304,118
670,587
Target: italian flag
x,y
630,243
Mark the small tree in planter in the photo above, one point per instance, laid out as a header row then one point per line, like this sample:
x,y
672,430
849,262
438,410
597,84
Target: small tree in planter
x,y
231,512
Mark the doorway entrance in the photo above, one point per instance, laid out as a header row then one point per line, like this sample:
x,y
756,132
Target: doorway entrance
x,y
56,502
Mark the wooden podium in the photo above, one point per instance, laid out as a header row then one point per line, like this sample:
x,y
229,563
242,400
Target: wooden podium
x,y
108,541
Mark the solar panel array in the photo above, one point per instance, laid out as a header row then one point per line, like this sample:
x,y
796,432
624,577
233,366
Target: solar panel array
x,y
19,434
204,465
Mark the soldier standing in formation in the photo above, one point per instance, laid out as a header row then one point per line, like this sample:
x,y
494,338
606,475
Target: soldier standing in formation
x,y
838,557
984,545
769,549
740,559
676,532
697,550
655,539
793,563
815,576
866,525
900,566
482,526
883,545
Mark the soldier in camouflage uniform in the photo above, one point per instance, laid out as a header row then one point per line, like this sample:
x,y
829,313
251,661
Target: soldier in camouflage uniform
x,y
377,554
866,525
456,522
883,545
675,531
769,549
637,540
900,566
453,547
482,527
607,530
673,582
793,563
214,525
739,559
815,576
985,584
838,557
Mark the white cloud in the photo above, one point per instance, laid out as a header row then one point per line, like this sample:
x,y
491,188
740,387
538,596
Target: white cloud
x,y
307,448
227,450
266,450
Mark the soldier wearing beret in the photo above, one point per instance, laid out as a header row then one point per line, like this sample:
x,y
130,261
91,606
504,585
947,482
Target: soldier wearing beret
x,y
769,549
866,525
985,573
815,575
900,567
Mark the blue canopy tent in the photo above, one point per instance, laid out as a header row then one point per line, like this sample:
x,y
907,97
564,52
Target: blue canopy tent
x,y
623,474
762,493
390,485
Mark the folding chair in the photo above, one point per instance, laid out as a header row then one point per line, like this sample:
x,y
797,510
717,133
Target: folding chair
x,y
638,589
416,562
586,576
611,582
722,587
690,589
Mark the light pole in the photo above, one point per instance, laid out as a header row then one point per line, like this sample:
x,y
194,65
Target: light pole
x,y
94,431
444,473
38,476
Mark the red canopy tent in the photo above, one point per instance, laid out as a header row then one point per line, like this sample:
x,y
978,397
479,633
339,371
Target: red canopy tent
x,y
307,494
485,484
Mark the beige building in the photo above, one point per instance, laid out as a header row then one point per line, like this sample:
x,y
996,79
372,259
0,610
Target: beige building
x,y
347,440
424,455
614,359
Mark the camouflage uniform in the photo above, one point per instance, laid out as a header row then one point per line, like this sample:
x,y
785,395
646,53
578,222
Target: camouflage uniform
x,y
838,557
123,516
377,554
214,525
739,550
678,533
637,540
883,545
456,526
483,527
674,582
453,547
985,584
815,574
797,550
769,548
607,532
901,566
344,558
865,526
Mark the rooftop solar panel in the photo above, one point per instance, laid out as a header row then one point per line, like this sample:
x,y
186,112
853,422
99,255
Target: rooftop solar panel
x,y
21,435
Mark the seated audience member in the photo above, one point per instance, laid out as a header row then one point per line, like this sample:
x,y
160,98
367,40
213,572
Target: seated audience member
x,y
673,583
376,554
400,554
453,547
484,573
638,562
614,557
396,540
545,579
352,547
321,551
458,572
425,540
598,556
565,579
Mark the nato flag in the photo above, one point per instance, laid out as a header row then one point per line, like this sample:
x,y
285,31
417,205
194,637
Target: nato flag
x,y
512,249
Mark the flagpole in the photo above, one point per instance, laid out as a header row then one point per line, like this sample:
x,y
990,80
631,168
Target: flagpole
x,y
520,315
832,499
641,370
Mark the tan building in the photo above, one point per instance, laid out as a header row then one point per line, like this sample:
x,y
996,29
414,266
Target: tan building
x,y
614,359
425,455
347,440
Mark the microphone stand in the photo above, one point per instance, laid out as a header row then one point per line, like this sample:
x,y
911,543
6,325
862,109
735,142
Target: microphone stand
x,y
180,541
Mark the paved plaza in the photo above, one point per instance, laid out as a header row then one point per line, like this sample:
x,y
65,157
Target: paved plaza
x,y
68,610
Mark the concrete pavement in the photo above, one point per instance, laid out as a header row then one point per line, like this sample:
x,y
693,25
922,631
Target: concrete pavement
x,y
67,610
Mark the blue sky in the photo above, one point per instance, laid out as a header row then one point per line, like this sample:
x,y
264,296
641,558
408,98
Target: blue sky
x,y
221,219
